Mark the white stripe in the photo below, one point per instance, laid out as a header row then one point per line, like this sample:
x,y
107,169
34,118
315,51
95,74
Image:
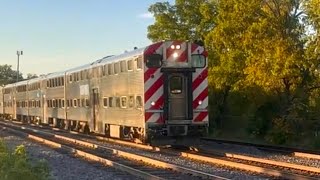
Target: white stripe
x,y
151,81
200,89
154,97
201,49
154,118
197,73
206,119
204,104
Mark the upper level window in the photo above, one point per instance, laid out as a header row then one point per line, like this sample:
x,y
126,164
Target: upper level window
x,y
198,60
139,63
153,60
123,66
109,69
116,68
130,65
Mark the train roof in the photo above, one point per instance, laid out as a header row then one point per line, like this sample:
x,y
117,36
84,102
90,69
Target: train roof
x,y
107,59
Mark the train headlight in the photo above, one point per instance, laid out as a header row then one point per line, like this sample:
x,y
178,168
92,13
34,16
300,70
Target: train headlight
x,y
178,46
199,102
175,55
153,103
172,46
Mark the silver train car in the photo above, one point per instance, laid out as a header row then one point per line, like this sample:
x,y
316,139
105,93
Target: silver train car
x,y
157,91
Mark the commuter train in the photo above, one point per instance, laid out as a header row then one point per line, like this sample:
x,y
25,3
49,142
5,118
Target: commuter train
x,y
157,91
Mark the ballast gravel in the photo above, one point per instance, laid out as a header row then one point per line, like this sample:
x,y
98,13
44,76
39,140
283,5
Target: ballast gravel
x,y
254,152
63,166
200,166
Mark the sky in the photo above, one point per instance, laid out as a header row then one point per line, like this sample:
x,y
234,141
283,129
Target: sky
x,y
56,35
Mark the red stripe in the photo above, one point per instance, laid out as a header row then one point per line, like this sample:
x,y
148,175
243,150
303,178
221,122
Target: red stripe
x,y
171,51
201,117
148,73
201,77
153,88
160,120
158,103
147,116
182,57
201,97
194,47
152,48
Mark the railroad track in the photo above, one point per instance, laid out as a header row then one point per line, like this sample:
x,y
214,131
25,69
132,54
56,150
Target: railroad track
x,y
244,163
133,164
298,152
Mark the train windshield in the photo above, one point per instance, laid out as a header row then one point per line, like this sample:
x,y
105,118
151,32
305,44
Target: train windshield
x,y
154,61
198,60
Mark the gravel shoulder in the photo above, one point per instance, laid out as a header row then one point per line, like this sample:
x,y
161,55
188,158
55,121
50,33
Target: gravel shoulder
x,y
63,166
254,152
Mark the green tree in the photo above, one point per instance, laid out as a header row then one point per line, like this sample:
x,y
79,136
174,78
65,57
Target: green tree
x,y
183,21
7,75
31,76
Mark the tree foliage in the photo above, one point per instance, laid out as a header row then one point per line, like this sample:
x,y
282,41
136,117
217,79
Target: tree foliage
x,y
186,20
264,60
7,75
15,165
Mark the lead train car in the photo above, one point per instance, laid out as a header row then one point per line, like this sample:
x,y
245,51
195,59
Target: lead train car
x,y
157,91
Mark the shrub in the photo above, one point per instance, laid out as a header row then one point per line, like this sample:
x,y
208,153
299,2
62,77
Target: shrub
x,y
15,165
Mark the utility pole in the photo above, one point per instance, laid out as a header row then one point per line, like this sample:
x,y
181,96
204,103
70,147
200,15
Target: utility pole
x,y
18,54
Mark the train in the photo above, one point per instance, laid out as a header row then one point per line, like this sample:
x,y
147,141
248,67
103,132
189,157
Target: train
x,y
158,91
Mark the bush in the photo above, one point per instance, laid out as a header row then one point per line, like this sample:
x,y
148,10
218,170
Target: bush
x,y
15,165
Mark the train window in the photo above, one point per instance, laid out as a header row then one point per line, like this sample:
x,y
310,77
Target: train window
x,y
175,85
123,67
105,70
139,102
110,69
123,101
70,78
116,68
111,103
62,81
198,60
117,101
130,65
74,102
48,83
82,103
79,102
62,103
87,103
139,63
105,102
53,103
131,101
154,60
59,103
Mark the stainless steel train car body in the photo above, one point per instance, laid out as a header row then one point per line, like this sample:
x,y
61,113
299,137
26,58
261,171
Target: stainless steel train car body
x,y
125,96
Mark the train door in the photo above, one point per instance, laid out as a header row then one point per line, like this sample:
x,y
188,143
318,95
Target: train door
x,y
95,109
178,93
